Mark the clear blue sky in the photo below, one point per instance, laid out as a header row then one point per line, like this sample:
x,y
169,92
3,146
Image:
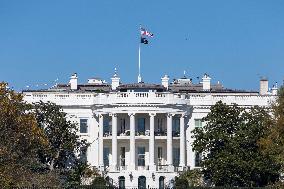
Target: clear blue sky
x,y
236,42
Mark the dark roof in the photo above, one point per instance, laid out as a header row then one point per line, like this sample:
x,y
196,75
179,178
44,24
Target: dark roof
x,y
81,87
141,86
175,88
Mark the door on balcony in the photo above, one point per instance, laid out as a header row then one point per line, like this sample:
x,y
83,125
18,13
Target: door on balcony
x,y
122,126
142,182
141,126
176,157
106,157
176,126
160,155
106,123
122,157
141,156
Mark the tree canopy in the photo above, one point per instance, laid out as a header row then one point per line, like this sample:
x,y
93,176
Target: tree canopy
x,y
63,141
229,146
20,138
273,143
38,145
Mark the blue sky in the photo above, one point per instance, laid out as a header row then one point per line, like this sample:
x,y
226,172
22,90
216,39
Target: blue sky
x,y
236,42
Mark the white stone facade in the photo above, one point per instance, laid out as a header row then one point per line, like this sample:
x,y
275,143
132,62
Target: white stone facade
x,y
141,136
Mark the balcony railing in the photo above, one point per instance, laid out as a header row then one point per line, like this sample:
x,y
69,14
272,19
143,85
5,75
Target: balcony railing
x,y
141,168
162,168
142,133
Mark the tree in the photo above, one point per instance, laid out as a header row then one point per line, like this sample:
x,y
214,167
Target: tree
x,y
20,139
229,144
273,143
64,145
181,183
63,141
194,178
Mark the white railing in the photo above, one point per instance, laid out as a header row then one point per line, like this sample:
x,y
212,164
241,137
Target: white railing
x,y
242,100
146,98
61,98
140,98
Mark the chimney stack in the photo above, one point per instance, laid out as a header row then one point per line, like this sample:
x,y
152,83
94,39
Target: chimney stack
x,y
206,82
165,81
115,80
74,81
263,86
274,89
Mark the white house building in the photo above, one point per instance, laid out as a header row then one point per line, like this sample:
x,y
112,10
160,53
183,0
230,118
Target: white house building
x,y
140,134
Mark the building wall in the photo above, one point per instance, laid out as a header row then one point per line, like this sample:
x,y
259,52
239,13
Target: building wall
x,y
86,105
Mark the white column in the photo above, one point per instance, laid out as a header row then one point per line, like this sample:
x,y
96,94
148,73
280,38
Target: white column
x,y
169,141
114,141
182,142
101,141
152,142
132,142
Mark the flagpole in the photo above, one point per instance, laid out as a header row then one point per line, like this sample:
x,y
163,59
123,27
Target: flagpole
x,y
139,57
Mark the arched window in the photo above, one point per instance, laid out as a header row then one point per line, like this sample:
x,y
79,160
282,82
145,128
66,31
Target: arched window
x,y
161,182
142,182
121,183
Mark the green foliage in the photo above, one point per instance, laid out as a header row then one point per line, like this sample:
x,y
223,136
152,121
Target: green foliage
x,y
98,181
79,171
194,177
36,142
229,144
63,140
181,183
273,143
20,139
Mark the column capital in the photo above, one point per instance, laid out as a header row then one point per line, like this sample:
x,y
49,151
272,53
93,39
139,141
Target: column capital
x,y
170,114
183,115
113,114
152,114
131,114
99,114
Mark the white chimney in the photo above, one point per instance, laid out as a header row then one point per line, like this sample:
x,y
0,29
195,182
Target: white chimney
x,y
274,89
115,80
74,81
263,86
165,81
206,82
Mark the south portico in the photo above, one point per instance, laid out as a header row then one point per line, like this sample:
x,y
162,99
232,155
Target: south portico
x,y
141,140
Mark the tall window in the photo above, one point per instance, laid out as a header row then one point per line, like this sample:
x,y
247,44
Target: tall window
x,y
197,159
106,124
122,125
160,124
198,123
141,125
106,156
122,156
160,155
176,126
83,125
176,157
141,156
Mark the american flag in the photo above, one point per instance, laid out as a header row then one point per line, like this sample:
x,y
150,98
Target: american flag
x,y
145,32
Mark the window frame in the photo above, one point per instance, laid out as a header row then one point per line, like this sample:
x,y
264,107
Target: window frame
x,y
141,156
87,126
200,123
